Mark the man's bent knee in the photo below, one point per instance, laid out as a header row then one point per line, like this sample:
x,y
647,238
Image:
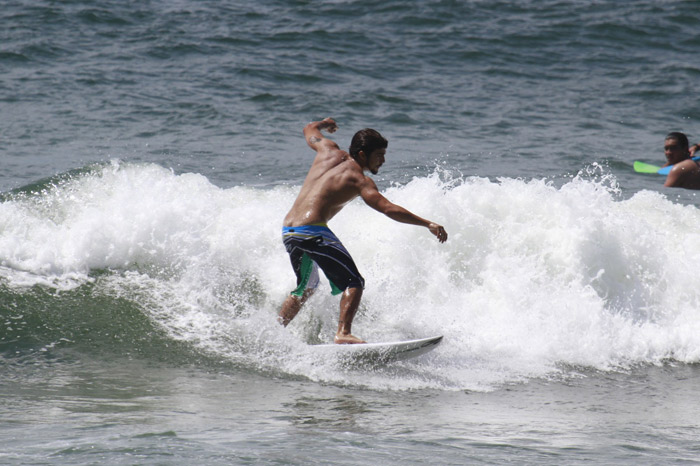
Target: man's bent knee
x,y
354,290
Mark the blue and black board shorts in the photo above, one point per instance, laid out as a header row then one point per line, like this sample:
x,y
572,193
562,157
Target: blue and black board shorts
x,y
313,246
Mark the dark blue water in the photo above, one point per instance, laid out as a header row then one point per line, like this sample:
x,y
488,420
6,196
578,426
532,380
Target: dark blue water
x,y
150,149
504,89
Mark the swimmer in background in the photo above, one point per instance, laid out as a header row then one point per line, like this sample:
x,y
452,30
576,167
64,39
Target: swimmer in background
x,y
686,171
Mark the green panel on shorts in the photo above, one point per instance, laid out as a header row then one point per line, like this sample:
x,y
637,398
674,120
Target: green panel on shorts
x,y
334,289
307,266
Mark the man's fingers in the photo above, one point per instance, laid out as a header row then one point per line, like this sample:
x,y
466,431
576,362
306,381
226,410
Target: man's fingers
x,y
439,232
330,125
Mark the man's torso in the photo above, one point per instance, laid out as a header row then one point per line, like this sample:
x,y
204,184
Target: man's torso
x,y
334,179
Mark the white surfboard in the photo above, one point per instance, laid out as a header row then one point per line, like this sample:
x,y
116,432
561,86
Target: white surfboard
x,y
380,352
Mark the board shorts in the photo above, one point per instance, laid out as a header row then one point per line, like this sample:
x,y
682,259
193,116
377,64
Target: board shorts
x,y
313,246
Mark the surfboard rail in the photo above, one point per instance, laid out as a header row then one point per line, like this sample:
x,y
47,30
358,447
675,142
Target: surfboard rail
x,y
382,352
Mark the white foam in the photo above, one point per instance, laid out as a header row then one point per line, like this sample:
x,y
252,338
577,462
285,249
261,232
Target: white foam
x,y
532,279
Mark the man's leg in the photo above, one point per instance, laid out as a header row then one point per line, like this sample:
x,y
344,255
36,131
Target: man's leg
x,y
292,305
348,307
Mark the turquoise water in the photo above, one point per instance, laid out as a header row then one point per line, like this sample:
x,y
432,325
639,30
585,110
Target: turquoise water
x,y
151,149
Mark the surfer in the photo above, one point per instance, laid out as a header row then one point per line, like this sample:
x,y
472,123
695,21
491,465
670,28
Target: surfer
x,y
335,178
686,171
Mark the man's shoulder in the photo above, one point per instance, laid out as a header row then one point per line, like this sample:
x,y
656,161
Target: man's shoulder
x,y
333,155
365,182
349,174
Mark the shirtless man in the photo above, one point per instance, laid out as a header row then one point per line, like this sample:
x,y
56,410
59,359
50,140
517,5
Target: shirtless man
x,y
685,172
335,178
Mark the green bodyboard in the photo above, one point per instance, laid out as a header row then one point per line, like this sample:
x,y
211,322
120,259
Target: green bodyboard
x,y
641,167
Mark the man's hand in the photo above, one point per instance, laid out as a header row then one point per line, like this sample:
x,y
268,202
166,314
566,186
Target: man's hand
x,y
438,231
328,124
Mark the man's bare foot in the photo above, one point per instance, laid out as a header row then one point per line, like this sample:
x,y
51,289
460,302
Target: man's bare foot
x,y
347,339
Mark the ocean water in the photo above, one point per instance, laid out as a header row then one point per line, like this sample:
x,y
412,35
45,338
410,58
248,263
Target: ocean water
x,y
150,150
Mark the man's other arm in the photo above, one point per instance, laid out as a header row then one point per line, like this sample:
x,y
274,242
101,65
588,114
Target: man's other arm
x,y
373,198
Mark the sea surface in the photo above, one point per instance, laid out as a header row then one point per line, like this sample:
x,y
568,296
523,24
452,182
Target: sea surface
x,y
150,149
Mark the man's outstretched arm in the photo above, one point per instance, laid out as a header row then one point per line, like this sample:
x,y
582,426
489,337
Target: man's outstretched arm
x,y
314,137
373,198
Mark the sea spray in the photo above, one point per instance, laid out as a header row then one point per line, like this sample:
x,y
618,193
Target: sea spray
x,y
534,279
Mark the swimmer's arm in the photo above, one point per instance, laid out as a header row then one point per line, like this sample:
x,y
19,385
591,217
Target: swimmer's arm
x,y
693,149
314,137
373,198
671,180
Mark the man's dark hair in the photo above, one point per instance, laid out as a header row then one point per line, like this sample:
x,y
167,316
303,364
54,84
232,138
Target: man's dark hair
x,y
680,137
367,140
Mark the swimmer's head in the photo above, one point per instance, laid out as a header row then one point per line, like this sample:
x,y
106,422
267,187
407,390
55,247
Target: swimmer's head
x,y
676,147
681,138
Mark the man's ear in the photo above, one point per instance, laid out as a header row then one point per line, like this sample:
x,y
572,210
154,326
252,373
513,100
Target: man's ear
x,y
362,156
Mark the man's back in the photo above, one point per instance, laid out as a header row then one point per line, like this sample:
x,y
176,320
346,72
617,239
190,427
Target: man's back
x,y
334,179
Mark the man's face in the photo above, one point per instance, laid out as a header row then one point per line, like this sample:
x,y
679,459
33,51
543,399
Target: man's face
x,y
375,160
673,151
